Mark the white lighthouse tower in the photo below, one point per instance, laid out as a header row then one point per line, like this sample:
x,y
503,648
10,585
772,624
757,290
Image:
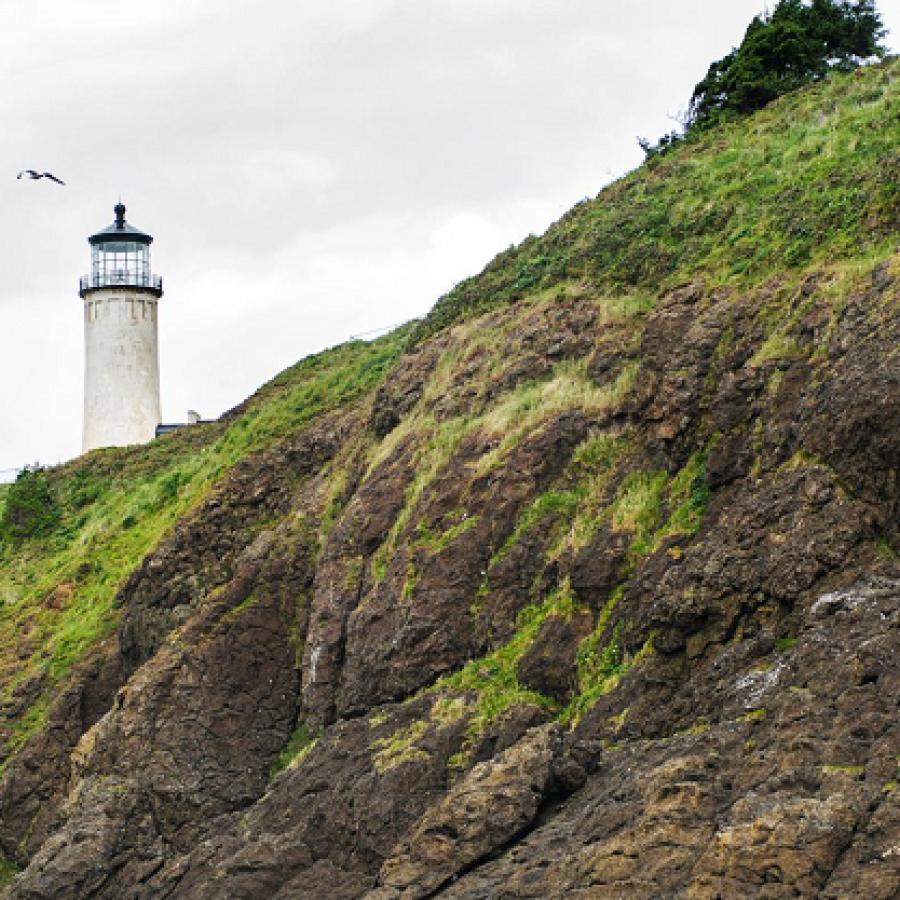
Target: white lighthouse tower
x,y
121,343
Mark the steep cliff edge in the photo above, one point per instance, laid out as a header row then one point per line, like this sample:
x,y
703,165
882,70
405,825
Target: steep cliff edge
x,y
590,589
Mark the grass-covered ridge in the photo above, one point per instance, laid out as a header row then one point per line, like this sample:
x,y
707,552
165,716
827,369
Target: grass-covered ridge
x,y
57,589
812,179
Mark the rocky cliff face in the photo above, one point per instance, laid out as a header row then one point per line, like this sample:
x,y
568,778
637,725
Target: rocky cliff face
x,y
595,596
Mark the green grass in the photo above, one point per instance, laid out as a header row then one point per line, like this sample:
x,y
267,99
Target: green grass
x,y
574,505
338,488
8,871
777,346
651,507
638,509
492,679
688,498
507,423
489,686
300,745
437,542
400,747
437,444
809,182
521,412
561,505
600,668
57,590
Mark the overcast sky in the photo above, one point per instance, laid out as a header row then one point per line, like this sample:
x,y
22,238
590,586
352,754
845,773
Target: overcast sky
x,y
309,171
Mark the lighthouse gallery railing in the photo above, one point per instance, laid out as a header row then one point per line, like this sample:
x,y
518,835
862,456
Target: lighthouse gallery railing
x,y
119,279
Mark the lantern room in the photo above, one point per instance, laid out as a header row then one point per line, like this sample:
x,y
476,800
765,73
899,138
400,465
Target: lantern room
x,y
120,257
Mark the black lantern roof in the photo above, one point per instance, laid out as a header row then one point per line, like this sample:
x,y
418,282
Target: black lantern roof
x,y
120,230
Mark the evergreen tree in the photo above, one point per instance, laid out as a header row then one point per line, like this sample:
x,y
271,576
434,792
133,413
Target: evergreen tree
x,y
798,43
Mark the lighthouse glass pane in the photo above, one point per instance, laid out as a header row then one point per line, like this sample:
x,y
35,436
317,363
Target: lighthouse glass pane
x,y
122,262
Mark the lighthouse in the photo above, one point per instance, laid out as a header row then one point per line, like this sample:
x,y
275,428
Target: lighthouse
x,y
121,341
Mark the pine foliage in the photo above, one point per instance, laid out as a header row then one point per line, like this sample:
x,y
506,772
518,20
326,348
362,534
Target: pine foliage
x,y
796,44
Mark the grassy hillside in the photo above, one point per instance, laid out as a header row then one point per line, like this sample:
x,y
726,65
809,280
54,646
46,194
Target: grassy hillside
x,y
57,590
811,180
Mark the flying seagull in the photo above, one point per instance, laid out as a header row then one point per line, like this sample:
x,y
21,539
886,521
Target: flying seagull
x,y
32,174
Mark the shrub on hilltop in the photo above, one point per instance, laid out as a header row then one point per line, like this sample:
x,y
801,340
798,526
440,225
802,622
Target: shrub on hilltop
x,y
31,508
798,43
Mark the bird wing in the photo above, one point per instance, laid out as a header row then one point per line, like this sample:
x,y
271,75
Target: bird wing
x,y
52,177
29,172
